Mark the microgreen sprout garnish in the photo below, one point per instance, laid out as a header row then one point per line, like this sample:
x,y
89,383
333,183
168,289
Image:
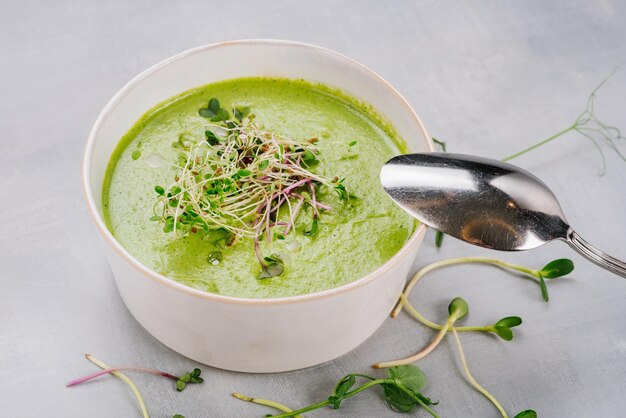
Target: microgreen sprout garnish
x,y
502,328
552,270
588,125
401,388
181,382
457,309
125,379
244,181
265,402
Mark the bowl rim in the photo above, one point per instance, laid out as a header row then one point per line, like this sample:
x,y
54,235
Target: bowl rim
x,y
164,280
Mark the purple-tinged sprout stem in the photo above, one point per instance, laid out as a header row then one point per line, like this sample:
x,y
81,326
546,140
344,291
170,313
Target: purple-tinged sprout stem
x,y
117,369
295,185
125,379
319,204
295,215
257,251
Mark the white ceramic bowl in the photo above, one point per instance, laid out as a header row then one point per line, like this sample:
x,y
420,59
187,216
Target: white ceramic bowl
x,y
250,335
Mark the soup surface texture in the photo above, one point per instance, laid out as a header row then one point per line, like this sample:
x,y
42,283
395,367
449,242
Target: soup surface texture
x,y
354,238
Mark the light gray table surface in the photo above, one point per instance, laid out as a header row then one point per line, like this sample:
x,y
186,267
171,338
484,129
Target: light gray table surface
x,y
488,77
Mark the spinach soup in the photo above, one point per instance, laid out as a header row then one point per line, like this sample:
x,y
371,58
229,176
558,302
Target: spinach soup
x,y
256,188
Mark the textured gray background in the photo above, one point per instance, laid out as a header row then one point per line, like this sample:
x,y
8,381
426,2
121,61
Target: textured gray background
x,y
489,77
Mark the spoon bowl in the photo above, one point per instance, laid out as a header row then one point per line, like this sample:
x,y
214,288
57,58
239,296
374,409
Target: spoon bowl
x,y
484,202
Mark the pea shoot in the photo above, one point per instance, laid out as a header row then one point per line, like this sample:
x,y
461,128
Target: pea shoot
x,y
588,125
245,181
401,391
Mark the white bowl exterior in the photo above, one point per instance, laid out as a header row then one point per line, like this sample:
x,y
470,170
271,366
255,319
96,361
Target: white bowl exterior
x,y
242,334
260,338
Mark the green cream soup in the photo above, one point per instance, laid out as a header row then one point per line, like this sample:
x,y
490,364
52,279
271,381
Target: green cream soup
x,y
358,234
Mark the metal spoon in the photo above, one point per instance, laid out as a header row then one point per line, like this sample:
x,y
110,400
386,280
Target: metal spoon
x,y
484,202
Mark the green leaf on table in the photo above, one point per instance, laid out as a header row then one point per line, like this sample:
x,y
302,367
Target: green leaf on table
x,y
504,332
529,413
557,268
412,377
403,377
341,389
459,306
509,322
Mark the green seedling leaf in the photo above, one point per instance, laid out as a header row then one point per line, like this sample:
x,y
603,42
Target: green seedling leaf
x,y
557,268
509,322
341,191
263,165
206,113
409,377
135,155
214,105
459,307
309,158
529,413
191,377
412,377
344,385
244,173
438,239
222,114
352,143
504,332
274,258
241,112
160,190
195,376
341,389
397,399
211,138
271,270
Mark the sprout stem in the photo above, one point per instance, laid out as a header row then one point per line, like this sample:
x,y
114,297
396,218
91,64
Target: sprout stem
x,y
420,318
265,402
126,379
425,351
462,260
115,369
473,381
540,143
587,124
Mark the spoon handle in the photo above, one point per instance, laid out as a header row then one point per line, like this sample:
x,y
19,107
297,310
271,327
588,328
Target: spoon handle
x,y
593,254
